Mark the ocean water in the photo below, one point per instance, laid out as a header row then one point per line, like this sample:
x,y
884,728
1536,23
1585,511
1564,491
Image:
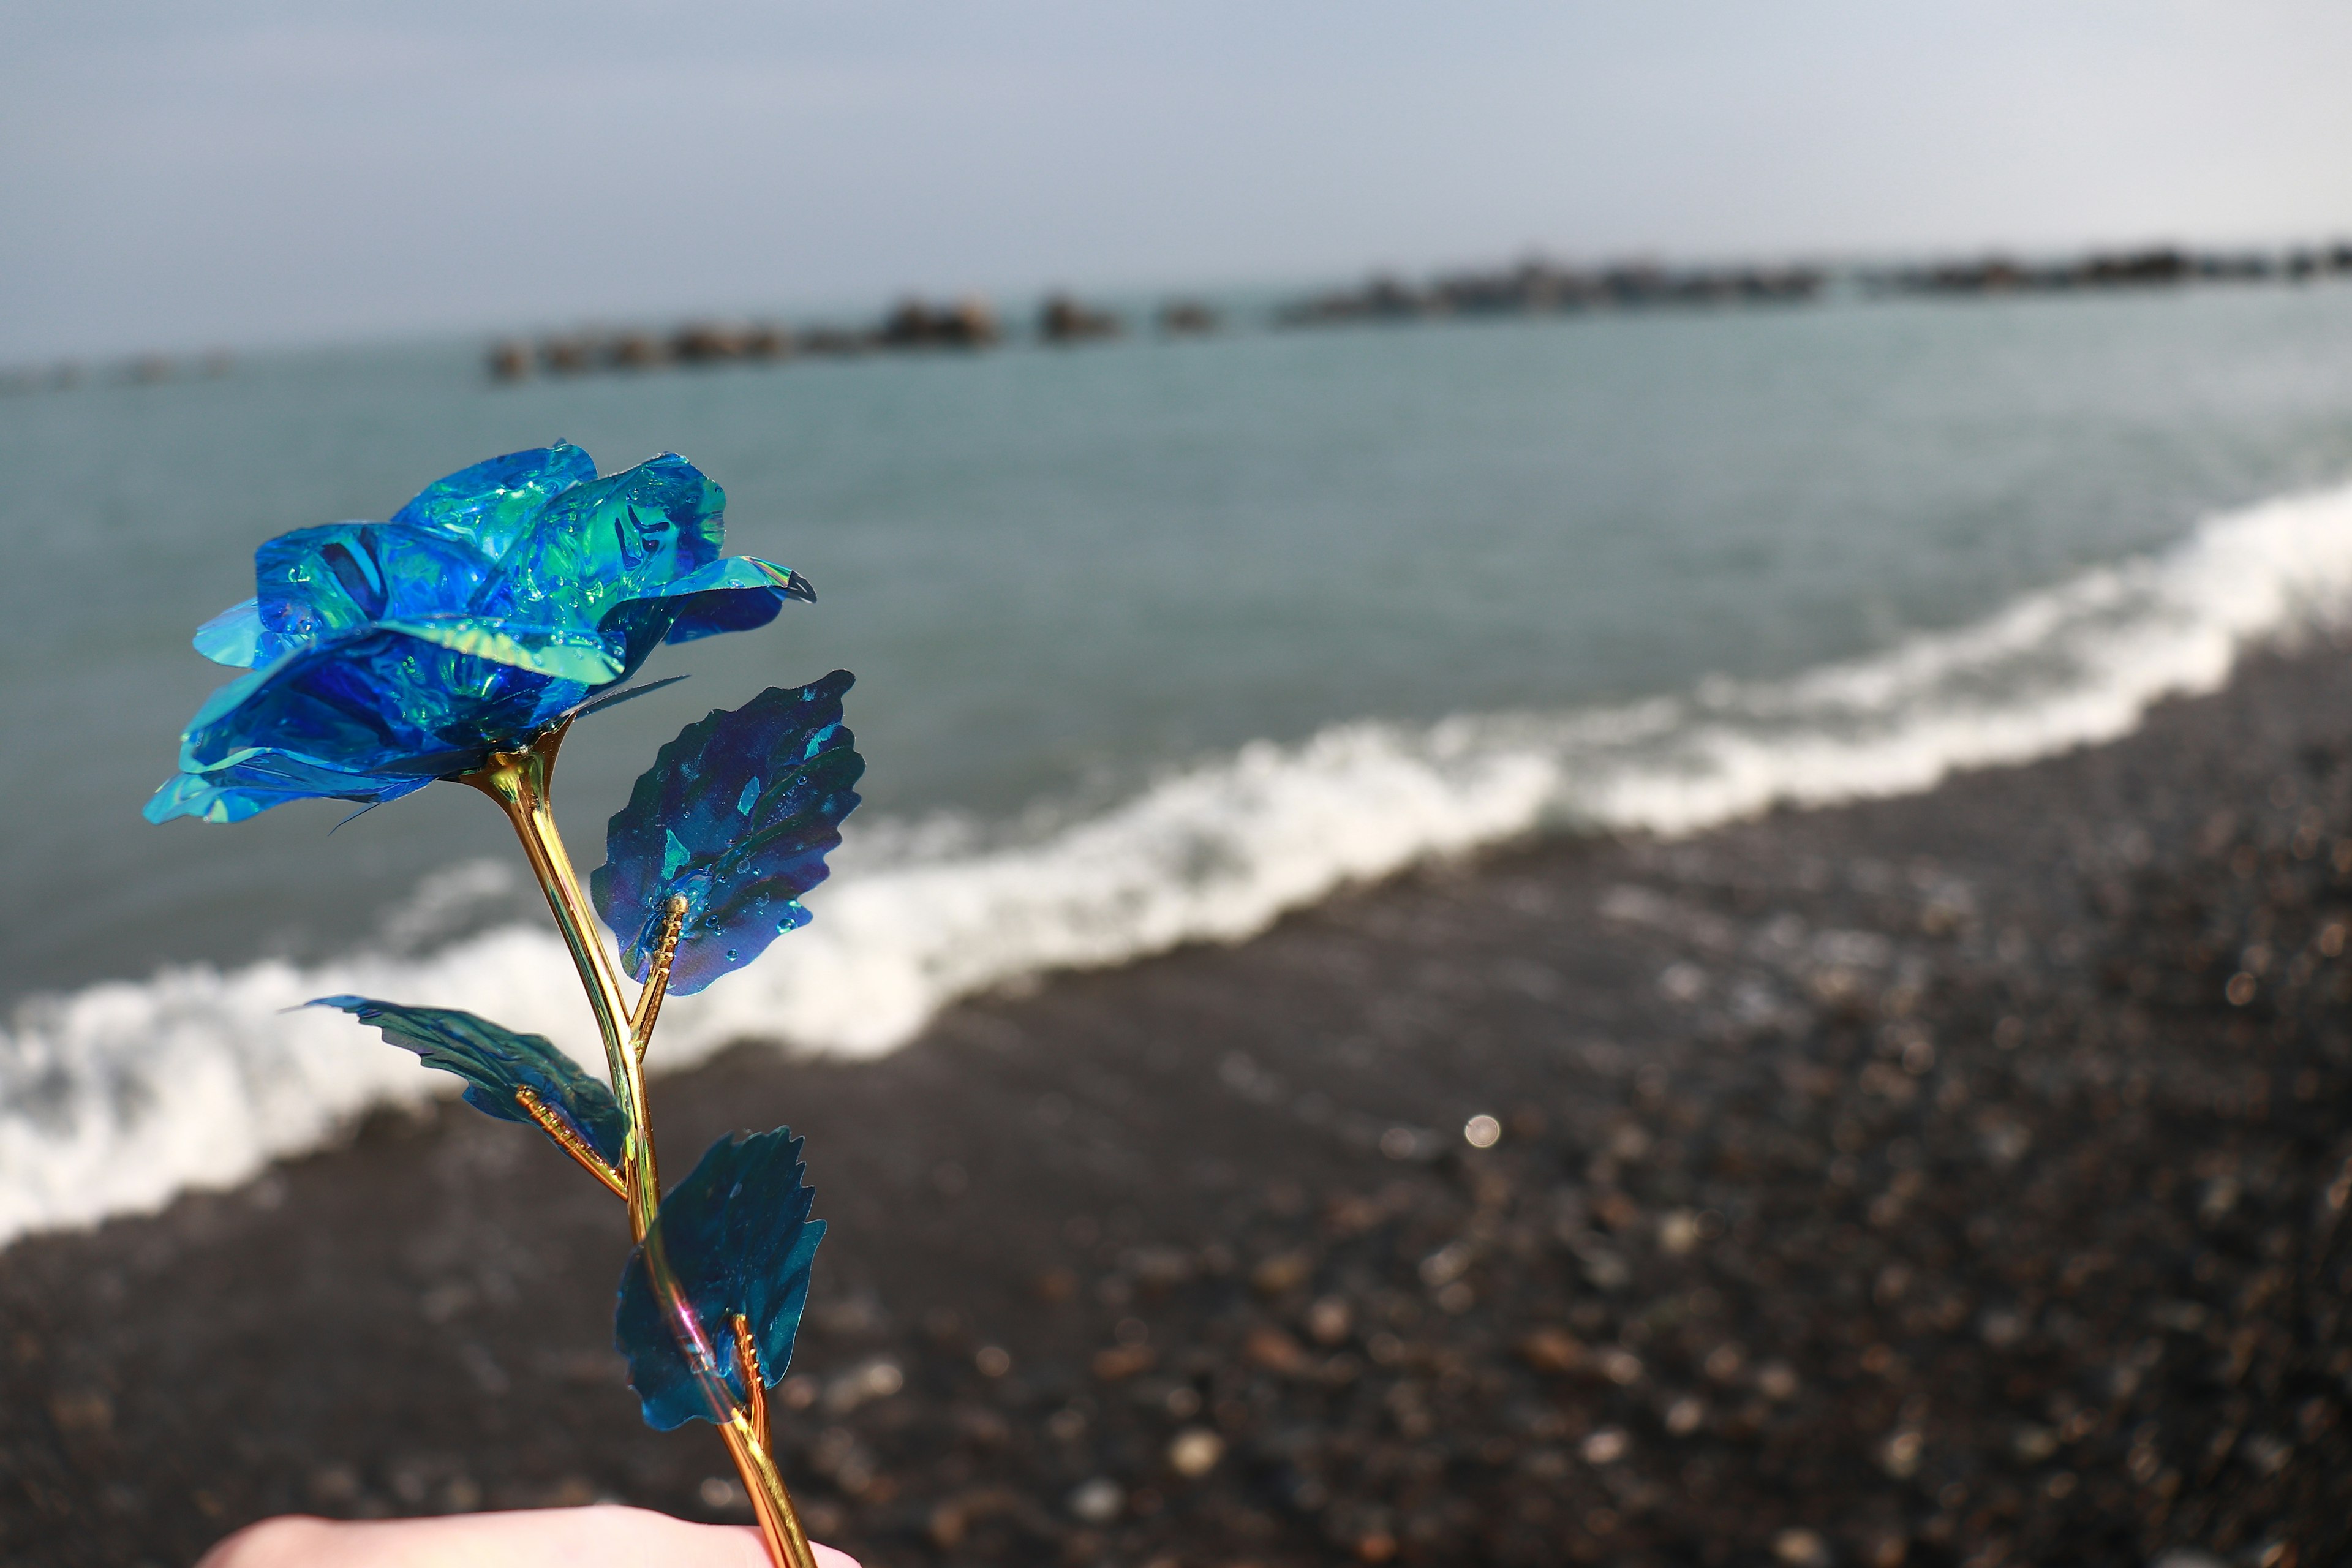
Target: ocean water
x,y
1155,641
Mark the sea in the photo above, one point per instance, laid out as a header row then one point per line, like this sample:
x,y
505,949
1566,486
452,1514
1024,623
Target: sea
x,y
1155,640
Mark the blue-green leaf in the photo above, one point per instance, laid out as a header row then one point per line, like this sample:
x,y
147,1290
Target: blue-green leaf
x,y
736,1239
736,816
495,1061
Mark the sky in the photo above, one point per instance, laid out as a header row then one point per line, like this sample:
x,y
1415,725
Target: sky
x,y
183,174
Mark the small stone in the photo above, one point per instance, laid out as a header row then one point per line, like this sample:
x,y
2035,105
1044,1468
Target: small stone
x,y
2001,1328
1098,1501
1800,1549
877,1379
1273,1350
1160,1267
1121,1362
1194,1451
1553,1350
335,1486
1282,1273
1330,1320
1606,1446
410,1483
1444,1265
2266,1454
570,1491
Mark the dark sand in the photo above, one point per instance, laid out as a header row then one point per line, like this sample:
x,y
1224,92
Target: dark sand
x,y
1892,1184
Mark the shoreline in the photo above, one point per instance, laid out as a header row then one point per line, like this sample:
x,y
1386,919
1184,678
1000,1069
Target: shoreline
x,y
1881,1183
115,1096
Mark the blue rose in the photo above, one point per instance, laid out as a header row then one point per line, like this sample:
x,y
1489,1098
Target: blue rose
x,y
387,655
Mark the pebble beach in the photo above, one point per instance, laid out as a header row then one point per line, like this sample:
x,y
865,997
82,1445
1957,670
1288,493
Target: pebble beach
x,y
1951,1178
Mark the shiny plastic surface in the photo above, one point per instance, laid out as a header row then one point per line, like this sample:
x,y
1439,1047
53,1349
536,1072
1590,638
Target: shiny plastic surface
x,y
386,654
735,1241
736,816
496,1062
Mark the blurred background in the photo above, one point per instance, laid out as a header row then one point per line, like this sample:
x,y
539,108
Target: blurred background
x,y
1245,453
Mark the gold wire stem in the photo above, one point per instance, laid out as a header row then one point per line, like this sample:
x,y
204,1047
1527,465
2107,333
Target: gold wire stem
x,y
519,783
747,1360
649,1000
779,1522
571,1142
747,1443
743,1424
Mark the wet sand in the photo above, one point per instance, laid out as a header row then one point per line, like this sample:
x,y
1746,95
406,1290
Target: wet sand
x,y
1958,1179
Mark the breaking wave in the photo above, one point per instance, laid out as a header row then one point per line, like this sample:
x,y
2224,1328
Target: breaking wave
x,y
116,1097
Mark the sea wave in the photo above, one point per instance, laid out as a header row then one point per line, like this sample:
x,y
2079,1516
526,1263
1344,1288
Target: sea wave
x,y
115,1098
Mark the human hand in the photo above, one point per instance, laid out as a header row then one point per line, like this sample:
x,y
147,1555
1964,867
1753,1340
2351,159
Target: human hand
x,y
604,1536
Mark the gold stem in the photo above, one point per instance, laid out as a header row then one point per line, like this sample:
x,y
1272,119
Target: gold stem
x,y
747,1442
519,782
571,1142
747,1360
649,1000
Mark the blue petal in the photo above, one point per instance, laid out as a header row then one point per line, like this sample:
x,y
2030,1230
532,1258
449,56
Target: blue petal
x,y
346,577
430,560
734,595
600,546
486,506
738,1240
488,607
496,1061
563,652
618,695
233,636
364,717
252,786
741,871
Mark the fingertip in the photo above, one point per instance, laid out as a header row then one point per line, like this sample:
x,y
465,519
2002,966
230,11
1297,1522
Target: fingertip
x,y
281,1542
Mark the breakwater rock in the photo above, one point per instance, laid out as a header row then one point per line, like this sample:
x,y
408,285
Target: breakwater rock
x,y
913,323
2153,267
1536,287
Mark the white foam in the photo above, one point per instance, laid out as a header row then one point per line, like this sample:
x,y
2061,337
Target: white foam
x,y
115,1098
